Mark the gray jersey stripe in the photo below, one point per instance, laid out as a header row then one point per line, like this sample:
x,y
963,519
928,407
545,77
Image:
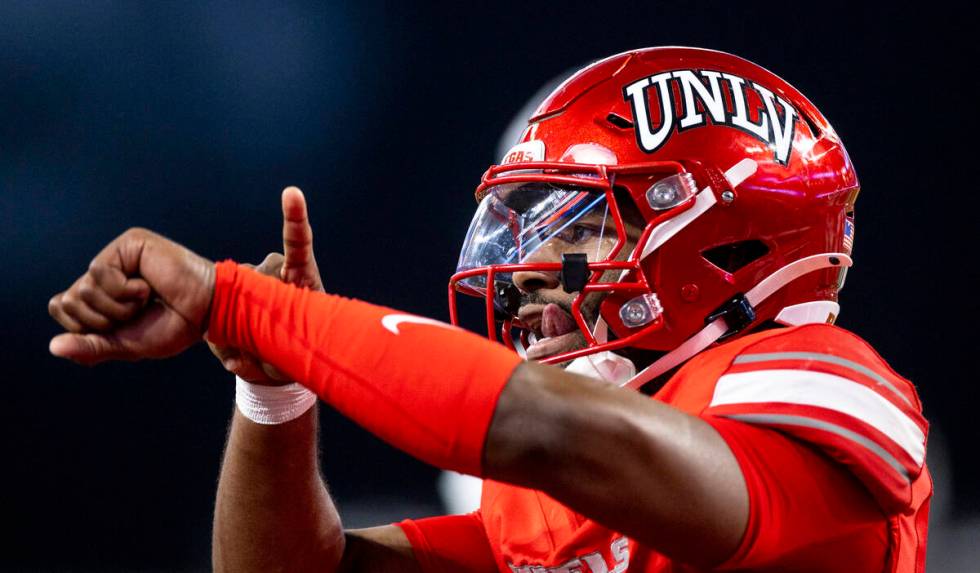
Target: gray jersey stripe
x,y
819,357
791,420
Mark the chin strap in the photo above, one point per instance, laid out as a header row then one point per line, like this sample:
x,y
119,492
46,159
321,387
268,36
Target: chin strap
x,y
717,328
620,370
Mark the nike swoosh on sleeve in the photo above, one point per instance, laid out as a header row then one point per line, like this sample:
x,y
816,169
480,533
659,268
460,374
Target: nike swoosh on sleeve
x,y
391,321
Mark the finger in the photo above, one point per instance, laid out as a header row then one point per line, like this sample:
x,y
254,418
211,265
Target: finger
x,y
125,251
100,300
249,369
115,283
234,361
271,266
57,312
224,354
175,274
78,311
245,366
87,349
274,374
297,235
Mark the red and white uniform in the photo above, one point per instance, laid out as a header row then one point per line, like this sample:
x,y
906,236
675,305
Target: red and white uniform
x,y
831,442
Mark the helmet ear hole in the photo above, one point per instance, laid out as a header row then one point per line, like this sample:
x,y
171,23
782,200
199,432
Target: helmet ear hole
x,y
619,121
814,130
628,208
733,256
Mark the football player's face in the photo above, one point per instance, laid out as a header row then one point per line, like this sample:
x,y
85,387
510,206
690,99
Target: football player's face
x,y
546,309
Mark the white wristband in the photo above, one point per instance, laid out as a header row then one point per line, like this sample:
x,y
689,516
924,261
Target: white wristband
x,y
272,404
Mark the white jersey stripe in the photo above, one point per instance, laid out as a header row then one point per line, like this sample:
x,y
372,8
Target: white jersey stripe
x,y
819,357
809,388
791,420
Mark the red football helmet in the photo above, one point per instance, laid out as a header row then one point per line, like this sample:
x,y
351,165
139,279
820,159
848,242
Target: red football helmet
x,y
730,195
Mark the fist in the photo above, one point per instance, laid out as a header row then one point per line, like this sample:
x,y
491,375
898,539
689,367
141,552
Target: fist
x,y
143,296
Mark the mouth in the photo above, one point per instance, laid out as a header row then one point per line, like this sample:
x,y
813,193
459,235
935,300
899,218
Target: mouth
x,y
553,331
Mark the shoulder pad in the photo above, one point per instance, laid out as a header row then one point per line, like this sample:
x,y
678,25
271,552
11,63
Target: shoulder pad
x,y
829,388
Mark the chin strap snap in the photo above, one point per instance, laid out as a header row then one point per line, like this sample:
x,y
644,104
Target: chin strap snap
x,y
737,312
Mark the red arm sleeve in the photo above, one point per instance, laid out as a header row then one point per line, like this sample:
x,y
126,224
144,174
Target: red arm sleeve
x,y
424,386
450,544
806,512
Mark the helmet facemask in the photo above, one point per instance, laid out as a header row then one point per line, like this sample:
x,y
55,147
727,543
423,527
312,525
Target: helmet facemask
x,y
546,226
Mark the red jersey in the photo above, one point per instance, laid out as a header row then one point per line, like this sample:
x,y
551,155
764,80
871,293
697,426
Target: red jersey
x,y
831,442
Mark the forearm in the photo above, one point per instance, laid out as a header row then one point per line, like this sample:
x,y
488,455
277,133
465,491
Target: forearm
x,y
668,479
660,476
422,386
273,511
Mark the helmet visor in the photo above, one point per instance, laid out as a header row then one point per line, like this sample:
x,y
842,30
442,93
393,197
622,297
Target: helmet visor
x,y
536,222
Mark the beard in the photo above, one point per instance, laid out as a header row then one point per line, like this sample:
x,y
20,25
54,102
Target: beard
x,y
575,338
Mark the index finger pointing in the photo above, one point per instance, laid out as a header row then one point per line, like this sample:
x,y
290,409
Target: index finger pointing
x,y
297,235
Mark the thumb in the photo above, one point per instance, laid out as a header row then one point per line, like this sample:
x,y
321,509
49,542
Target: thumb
x,y
136,289
87,349
299,265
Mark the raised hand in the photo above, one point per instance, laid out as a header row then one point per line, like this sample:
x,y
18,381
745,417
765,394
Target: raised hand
x,y
296,265
143,296
297,242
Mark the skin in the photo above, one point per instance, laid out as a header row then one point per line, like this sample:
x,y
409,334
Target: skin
x,y
593,234
638,466
273,511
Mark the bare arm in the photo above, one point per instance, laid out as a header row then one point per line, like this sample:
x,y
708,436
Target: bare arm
x,y
273,511
638,466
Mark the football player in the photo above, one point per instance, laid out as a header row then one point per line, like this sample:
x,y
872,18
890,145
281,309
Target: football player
x,y
673,220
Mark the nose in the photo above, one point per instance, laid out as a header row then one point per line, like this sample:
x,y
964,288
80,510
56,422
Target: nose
x,y
531,281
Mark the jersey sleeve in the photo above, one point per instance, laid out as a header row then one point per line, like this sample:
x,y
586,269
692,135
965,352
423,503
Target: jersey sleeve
x,y
828,388
450,544
806,512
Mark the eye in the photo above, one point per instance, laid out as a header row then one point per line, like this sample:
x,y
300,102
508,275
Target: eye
x,y
579,233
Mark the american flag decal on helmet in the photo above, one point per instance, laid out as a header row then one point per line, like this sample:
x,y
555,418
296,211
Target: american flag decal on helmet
x,y
848,235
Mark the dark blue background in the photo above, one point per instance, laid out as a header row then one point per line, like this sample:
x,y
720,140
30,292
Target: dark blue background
x,y
189,118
